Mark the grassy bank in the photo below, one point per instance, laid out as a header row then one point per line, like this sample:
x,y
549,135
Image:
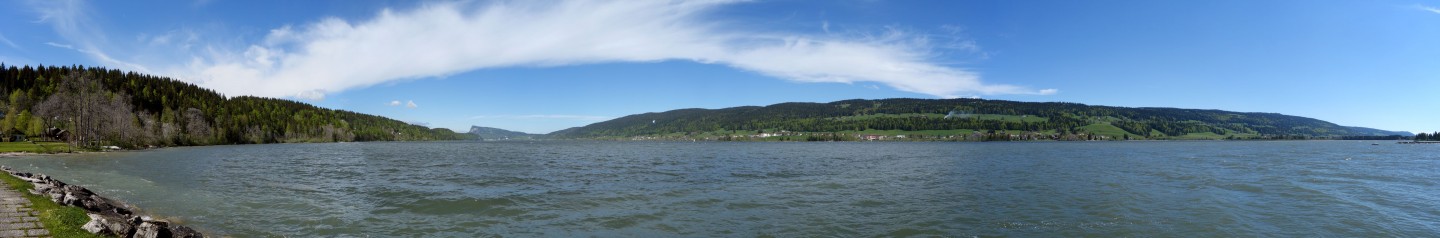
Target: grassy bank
x,y
61,221
36,147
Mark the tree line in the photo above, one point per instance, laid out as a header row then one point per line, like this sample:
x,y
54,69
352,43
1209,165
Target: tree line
x,y
93,106
1432,136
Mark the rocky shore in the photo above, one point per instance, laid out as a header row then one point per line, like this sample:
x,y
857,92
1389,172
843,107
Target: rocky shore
x,y
107,217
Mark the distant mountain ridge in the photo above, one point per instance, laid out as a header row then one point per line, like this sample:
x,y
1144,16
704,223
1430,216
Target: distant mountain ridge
x,y
1377,132
944,118
491,133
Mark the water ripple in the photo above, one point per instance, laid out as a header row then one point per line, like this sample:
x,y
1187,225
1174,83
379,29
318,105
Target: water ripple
x,y
467,189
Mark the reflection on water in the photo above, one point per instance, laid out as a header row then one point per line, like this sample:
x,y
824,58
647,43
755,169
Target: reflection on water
x,y
465,189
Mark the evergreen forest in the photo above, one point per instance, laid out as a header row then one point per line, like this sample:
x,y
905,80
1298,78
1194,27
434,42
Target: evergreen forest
x,y
92,106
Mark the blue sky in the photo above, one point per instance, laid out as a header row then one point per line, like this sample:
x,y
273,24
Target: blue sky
x,y
540,66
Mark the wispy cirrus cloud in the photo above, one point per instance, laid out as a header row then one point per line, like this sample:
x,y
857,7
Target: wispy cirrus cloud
x,y
64,46
558,117
8,42
1427,8
71,20
436,39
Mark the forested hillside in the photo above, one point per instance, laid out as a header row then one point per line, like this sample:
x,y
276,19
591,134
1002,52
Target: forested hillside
x,y
945,118
491,133
97,106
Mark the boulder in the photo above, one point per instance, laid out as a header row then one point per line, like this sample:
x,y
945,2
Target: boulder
x,y
96,225
56,195
77,190
107,217
71,199
98,204
75,196
41,189
184,232
117,212
109,225
152,229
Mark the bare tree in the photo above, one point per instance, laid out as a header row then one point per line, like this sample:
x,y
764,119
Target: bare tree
x,y
254,134
91,113
197,129
69,105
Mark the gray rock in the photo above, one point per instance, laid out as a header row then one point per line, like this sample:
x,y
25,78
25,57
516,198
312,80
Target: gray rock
x,y
75,196
96,203
120,226
96,225
107,217
77,190
117,212
41,188
71,199
152,229
109,225
184,232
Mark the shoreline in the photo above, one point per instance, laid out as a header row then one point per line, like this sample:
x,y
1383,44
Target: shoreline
x,y
106,216
925,140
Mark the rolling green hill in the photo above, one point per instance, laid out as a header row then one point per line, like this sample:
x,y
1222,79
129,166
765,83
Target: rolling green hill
x,y
962,118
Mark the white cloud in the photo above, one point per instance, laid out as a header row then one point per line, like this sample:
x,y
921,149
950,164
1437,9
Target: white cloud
x,y
1428,8
181,39
559,117
8,42
438,39
58,45
71,19
315,94
407,104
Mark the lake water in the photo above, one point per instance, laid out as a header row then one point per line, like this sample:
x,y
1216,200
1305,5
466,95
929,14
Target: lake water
x,y
654,189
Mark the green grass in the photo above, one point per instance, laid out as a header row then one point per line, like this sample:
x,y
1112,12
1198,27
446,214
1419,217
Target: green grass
x,y
61,221
1010,118
900,132
1201,136
1242,136
37,147
1105,129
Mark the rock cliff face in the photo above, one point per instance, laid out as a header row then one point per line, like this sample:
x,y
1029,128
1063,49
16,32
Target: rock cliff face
x,y
107,217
